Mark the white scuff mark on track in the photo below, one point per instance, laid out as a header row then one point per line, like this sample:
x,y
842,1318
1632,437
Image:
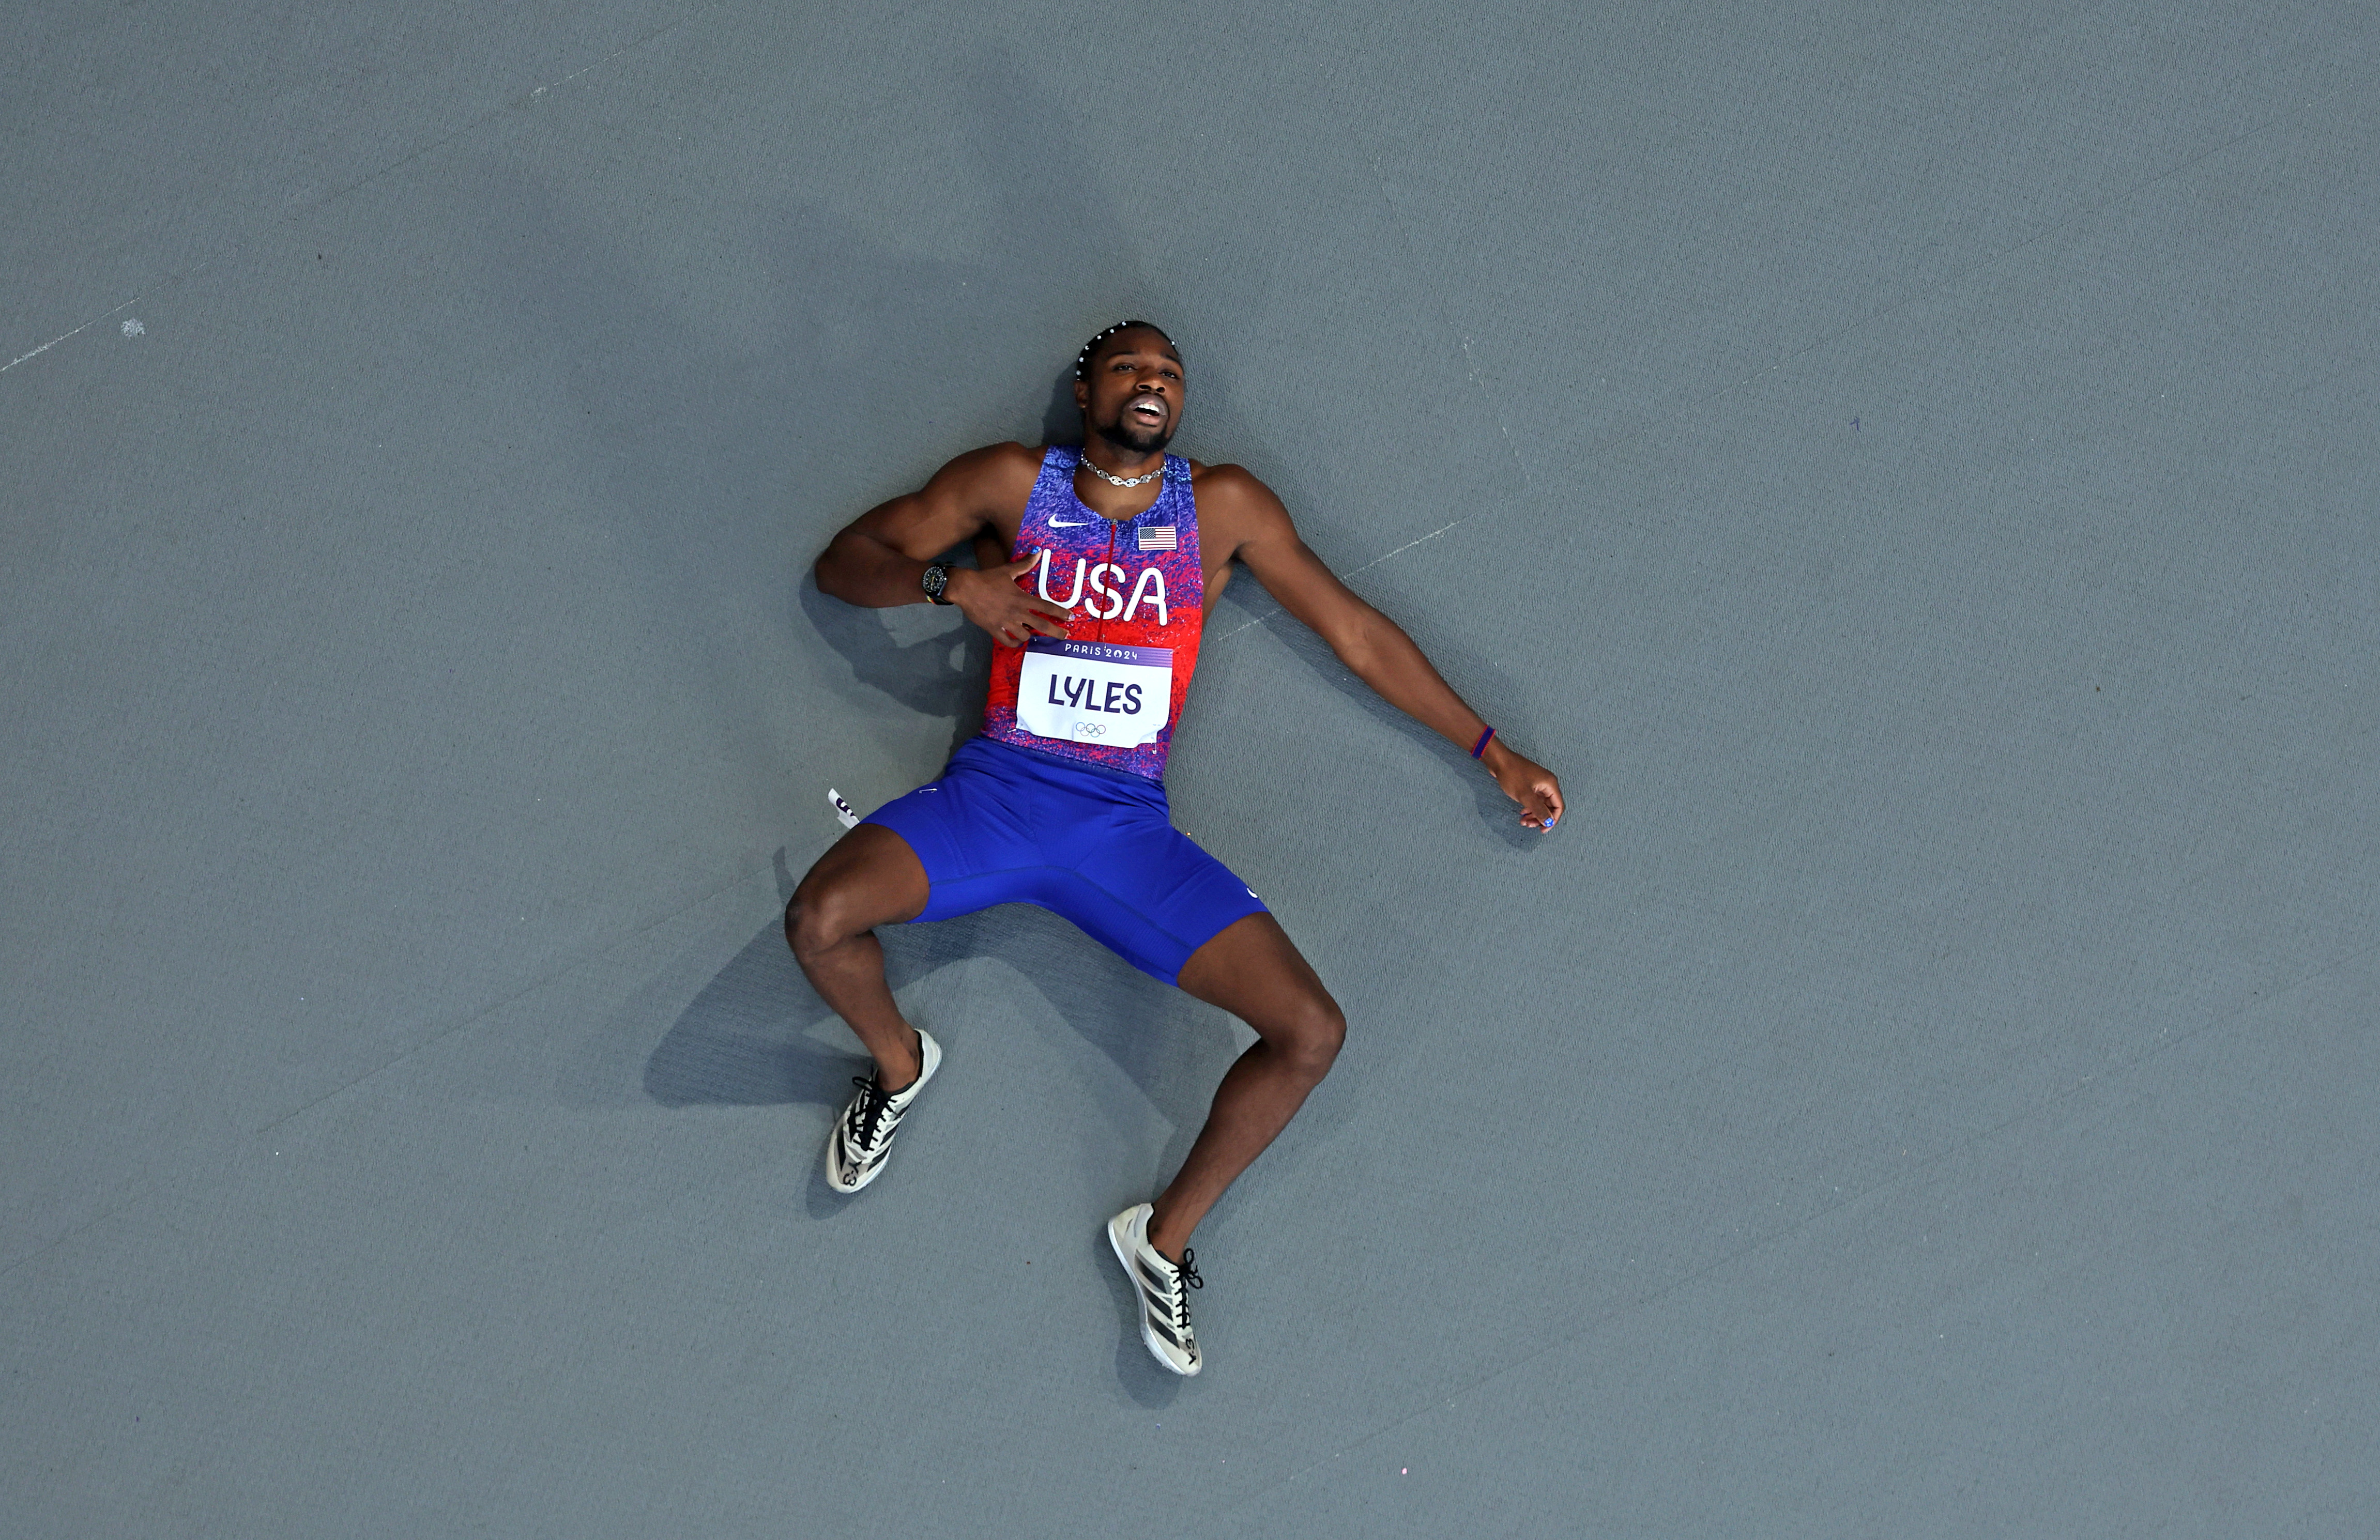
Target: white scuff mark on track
x,y
132,327
1520,460
1418,539
1423,540
1242,626
628,48
64,335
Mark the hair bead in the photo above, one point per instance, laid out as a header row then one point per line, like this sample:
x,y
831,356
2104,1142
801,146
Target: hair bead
x,y
1083,359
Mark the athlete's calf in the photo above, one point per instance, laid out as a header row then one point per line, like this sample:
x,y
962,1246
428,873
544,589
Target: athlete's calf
x,y
870,877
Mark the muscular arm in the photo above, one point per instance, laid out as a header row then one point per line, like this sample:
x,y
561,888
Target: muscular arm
x,y
879,559
1375,649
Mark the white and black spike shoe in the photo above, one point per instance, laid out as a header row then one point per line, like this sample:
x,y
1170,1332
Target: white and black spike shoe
x,y
863,1136
1162,1289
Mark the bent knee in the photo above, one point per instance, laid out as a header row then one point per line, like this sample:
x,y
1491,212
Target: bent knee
x,y
1315,1035
817,919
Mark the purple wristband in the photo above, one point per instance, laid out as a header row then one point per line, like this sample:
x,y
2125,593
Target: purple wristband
x,y
1481,746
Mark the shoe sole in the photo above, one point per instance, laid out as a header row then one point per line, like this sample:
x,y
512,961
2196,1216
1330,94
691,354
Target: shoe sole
x,y
1148,1338
932,1062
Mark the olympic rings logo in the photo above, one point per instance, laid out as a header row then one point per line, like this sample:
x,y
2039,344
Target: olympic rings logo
x,y
1090,729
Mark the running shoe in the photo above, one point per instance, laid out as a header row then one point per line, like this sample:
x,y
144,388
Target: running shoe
x,y
1162,1289
863,1136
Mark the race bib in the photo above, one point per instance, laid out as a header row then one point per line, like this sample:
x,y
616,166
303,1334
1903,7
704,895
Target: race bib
x,y
1095,692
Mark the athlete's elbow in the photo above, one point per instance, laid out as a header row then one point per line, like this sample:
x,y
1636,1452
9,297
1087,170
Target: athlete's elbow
x,y
1356,655
1368,644
834,573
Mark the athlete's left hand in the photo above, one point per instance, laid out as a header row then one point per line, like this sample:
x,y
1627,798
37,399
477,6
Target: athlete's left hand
x,y
1530,784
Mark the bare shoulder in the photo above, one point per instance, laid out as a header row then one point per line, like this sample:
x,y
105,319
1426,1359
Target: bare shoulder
x,y
985,486
1234,507
994,474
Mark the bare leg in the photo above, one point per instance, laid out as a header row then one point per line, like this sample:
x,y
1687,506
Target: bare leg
x,y
1254,971
870,877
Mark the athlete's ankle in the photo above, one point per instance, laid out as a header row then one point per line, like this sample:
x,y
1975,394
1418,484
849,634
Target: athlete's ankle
x,y
1166,1245
897,1078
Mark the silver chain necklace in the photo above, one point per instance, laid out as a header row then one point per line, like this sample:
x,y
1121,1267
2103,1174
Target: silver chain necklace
x,y
1114,480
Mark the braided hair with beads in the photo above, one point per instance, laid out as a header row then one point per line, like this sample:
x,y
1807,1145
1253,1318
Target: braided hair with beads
x,y
1083,359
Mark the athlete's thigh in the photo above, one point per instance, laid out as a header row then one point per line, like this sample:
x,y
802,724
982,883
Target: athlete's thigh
x,y
869,878
1252,969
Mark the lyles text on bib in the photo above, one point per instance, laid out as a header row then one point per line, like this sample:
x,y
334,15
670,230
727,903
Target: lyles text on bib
x,y
1095,692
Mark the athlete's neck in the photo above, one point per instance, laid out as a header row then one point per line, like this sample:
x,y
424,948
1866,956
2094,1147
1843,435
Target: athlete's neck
x,y
1116,504
1124,463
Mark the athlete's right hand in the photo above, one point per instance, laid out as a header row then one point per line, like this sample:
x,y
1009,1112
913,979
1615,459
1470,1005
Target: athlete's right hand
x,y
1013,615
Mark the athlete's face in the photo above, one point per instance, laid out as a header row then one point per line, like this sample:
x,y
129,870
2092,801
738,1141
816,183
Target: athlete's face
x,y
1131,392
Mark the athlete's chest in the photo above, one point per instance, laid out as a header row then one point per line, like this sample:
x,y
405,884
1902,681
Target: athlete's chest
x,y
1116,544
1132,583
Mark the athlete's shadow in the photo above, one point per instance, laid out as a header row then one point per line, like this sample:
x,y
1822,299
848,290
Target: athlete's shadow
x,y
743,1041
929,660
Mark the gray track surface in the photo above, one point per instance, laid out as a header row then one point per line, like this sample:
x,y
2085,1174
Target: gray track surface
x,y
1910,468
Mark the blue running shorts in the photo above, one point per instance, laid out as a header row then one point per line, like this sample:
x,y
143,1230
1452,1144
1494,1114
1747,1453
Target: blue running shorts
x,y
1005,825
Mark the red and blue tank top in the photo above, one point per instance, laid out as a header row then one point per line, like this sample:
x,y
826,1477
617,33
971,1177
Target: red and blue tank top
x,y
1109,693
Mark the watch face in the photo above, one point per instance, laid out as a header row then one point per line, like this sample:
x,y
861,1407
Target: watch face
x,y
937,579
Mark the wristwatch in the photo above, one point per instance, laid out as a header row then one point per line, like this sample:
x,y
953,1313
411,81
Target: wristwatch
x,y
936,579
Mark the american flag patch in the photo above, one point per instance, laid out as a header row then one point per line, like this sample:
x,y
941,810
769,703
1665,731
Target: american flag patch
x,y
1157,536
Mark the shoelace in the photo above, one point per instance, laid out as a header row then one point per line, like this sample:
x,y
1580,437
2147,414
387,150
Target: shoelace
x,y
1187,1275
869,1110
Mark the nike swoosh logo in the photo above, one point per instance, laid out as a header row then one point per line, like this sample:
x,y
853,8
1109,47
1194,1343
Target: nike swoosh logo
x,y
1069,523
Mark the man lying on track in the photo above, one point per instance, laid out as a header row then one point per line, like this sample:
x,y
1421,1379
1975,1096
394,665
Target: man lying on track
x,y
1111,551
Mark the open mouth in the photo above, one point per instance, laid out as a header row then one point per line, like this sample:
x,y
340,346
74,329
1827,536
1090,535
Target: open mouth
x,y
1146,409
